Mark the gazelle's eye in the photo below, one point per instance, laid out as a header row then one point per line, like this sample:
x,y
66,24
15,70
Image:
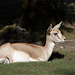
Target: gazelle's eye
x,y
55,33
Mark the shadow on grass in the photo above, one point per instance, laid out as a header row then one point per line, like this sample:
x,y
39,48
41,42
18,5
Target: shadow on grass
x,y
56,55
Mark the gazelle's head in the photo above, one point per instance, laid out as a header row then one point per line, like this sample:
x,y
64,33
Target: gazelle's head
x,y
54,34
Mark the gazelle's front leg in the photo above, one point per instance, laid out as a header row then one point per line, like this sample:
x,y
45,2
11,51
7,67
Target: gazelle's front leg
x,y
4,60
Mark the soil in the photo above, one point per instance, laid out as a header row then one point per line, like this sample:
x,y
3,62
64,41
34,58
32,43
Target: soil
x,y
66,46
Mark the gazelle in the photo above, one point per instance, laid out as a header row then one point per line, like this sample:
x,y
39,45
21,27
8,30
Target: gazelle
x,y
23,52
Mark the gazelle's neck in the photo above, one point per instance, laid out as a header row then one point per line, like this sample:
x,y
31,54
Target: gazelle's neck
x,y
49,46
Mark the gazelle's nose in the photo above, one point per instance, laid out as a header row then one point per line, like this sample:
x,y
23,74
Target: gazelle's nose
x,y
64,39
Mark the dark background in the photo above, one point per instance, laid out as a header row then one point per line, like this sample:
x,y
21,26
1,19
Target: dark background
x,y
22,20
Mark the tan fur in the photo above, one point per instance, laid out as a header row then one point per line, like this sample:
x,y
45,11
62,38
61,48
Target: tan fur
x,y
6,51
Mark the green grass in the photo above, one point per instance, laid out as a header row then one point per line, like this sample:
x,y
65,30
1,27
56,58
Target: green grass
x,y
63,66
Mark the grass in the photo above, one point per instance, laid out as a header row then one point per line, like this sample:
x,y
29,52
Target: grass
x,y
63,66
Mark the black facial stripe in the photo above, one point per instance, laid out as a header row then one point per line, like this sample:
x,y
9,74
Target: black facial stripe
x,y
55,33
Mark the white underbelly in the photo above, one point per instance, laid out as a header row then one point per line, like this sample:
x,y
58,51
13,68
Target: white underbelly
x,y
19,56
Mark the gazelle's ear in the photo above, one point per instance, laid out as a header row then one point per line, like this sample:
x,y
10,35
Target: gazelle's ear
x,y
58,25
49,29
